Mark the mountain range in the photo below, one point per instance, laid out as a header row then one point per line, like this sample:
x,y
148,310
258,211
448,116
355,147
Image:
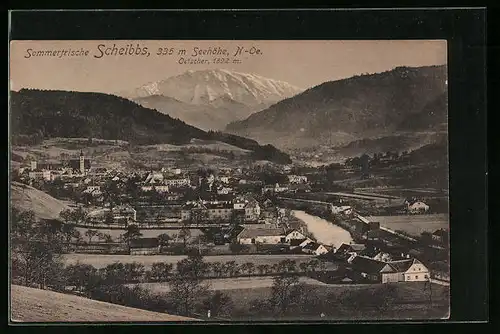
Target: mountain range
x,y
43,114
405,100
210,99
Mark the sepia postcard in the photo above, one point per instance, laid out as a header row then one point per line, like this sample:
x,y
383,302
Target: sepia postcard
x,y
228,180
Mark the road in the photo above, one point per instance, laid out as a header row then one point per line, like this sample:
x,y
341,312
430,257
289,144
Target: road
x,y
324,231
237,283
440,282
101,261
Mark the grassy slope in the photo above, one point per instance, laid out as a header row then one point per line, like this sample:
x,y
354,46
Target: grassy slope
x,y
35,305
28,198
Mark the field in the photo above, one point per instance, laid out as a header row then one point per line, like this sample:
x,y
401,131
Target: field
x,y
238,283
115,234
35,305
413,224
412,301
43,205
101,261
405,192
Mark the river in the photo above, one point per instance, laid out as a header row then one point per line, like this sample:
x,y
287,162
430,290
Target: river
x,y
324,231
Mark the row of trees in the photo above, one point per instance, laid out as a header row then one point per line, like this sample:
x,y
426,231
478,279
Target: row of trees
x,y
189,293
123,273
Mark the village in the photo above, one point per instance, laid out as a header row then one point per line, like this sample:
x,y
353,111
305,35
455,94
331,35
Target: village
x,y
226,211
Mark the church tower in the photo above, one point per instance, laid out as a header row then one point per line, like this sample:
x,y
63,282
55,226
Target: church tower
x,y
82,163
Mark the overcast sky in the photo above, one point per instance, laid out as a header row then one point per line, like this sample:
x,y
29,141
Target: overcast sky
x,y
301,63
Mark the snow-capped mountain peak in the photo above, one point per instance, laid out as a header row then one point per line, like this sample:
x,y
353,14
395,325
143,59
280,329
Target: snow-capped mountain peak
x,y
204,86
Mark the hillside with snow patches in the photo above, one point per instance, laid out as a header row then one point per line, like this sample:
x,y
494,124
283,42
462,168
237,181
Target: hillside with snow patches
x,y
210,99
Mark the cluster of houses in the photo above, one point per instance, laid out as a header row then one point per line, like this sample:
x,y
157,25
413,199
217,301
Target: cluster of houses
x,y
243,209
373,265
52,170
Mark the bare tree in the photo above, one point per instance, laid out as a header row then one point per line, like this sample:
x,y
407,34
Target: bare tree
x,y
91,234
187,286
285,290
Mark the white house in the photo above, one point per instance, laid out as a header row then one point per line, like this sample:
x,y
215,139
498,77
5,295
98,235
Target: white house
x,y
305,242
314,248
176,171
411,270
154,178
224,179
92,188
345,209
224,191
261,236
382,256
252,210
178,182
417,207
294,235
239,203
297,179
160,188
277,188
408,270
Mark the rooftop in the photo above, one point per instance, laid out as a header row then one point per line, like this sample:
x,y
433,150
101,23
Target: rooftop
x,y
403,265
367,265
261,232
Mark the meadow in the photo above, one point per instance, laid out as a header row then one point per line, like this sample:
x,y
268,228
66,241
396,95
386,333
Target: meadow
x,y
413,224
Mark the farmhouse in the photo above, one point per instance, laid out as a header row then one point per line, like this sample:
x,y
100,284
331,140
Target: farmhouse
x,y
410,270
261,236
294,235
314,248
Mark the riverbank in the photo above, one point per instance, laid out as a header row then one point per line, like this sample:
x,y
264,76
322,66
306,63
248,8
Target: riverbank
x,y
324,231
